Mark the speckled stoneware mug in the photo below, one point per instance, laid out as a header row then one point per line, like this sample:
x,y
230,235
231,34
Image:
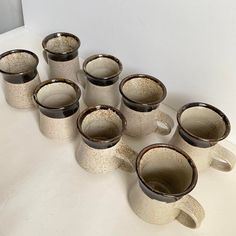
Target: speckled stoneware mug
x,y
102,80
61,54
165,177
58,102
141,96
101,148
200,127
20,77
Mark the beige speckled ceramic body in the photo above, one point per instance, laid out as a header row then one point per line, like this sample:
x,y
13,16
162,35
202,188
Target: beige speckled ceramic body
x,y
166,176
141,96
20,77
101,73
58,102
200,128
101,148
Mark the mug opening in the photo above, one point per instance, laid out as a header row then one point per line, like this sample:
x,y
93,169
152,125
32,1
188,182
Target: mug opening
x,y
166,170
204,122
57,94
101,123
18,62
61,43
102,66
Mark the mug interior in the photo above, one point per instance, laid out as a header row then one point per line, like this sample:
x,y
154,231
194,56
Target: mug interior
x,y
142,90
102,67
102,125
62,44
203,122
56,95
165,170
18,62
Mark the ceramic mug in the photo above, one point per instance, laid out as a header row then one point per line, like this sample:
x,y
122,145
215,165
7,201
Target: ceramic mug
x,y
20,77
61,54
165,177
101,148
101,73
200,127
141,96
58,102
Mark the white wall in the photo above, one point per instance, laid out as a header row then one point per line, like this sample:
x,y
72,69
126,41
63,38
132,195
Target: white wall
x,y
189,45
10,15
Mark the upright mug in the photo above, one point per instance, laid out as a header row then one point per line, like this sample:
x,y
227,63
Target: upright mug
x,y
58,103
141,97
101,148
102,80
200,127
20,77
165,177
61,54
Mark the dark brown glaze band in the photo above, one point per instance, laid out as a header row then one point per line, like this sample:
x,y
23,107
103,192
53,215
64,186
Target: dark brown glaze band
x,y
196,140
138,106
157,195
21,77
105,81
98,143
65,56
55,112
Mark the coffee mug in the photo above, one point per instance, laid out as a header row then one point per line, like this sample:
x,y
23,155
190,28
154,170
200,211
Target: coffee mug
x,y
200,127
58,103
61,54
101,148
165,177
141,96
20,77
101,73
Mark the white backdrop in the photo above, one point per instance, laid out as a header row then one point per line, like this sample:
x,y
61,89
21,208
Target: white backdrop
x,y
189,45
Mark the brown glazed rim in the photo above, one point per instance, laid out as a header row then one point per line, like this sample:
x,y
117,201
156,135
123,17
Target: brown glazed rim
x,y
57,80
90,110
205,105
190,161
96,56
19,51
134,76
57,35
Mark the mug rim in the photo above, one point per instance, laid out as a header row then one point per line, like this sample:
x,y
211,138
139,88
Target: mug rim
x,y
208,106
57,35
90,110
12,51
102,55
167,196
133,76
52,81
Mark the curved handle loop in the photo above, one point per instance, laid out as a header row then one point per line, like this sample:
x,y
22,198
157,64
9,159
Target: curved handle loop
x,y
81,77
127,155
222,158
191,212
166,123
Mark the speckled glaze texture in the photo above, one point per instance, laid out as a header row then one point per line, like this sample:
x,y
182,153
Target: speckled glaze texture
x,y
20,95
65,69
186,210
216,156
94,94
147,122
61,129
99,161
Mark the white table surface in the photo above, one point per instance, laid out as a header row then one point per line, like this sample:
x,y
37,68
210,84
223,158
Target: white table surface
x,y
44,192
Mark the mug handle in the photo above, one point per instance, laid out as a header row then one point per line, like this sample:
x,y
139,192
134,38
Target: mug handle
x,y
45,56
191,212
127,155
222,158
166,121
